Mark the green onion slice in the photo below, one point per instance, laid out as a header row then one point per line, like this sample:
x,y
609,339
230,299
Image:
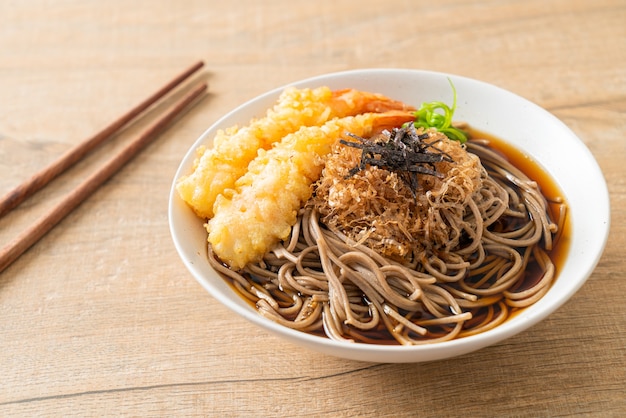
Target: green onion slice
x,y
439,115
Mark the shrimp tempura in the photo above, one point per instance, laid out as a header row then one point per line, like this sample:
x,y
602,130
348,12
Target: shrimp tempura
x,y
219,167
262,208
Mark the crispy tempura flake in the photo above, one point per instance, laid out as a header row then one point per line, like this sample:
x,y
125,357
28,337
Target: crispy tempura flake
x,y
375,205
263,206
218,168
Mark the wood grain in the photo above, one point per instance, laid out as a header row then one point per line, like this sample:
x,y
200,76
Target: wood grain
x,y
37,230
100,317
41,178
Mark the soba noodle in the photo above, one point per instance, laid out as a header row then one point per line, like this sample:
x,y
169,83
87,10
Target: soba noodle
x,y
324,281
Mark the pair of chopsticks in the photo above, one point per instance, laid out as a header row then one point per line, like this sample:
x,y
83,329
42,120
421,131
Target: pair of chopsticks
x,y
14,249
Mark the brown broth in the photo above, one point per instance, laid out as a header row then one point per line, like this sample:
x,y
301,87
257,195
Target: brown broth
x,y
558,254
550,190
548,187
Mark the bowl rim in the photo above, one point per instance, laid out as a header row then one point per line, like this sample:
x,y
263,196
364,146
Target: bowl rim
x,y
372,352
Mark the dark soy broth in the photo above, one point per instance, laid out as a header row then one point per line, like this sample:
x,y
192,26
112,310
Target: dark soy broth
x,y
549,189
533,272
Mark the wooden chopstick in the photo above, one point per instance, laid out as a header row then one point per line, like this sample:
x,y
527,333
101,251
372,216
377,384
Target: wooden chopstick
x,y
12,251
17,195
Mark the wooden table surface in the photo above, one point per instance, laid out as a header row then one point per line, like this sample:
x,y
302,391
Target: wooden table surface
x,y
100,317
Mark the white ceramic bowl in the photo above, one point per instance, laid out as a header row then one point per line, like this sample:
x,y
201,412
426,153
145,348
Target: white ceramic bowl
x,y
487,108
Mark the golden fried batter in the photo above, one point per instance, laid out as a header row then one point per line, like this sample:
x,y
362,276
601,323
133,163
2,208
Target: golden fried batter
x,y
219,167
263,206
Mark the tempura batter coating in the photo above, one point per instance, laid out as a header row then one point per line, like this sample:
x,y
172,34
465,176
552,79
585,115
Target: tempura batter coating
x,y
262,208
219,167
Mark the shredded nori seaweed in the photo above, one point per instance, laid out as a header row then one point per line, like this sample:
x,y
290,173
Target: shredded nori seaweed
x,y
402,150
